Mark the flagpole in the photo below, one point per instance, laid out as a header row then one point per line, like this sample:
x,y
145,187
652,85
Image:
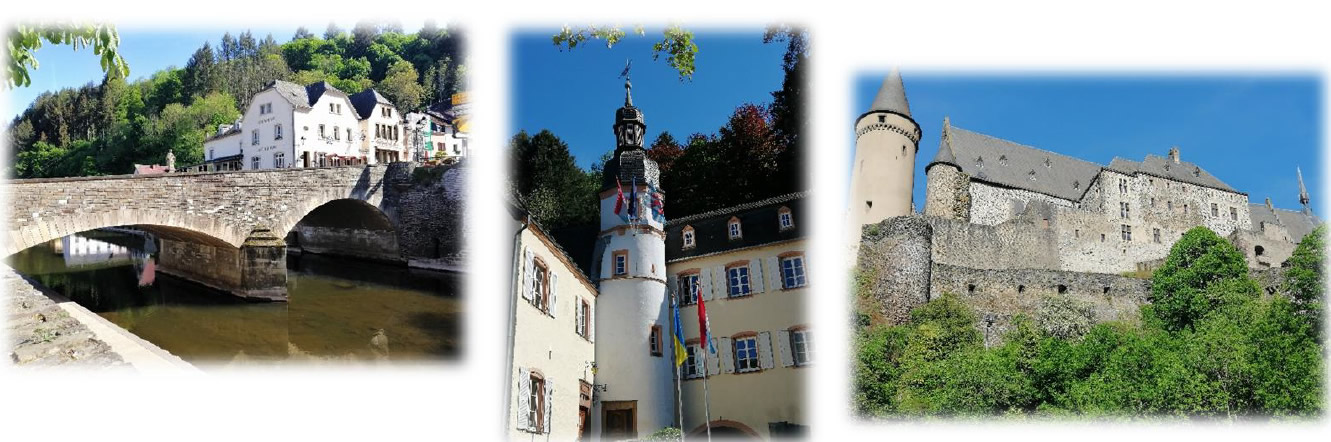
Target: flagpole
x,y
679,373
706,399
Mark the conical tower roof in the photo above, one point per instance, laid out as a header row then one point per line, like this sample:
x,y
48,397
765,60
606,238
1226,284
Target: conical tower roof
x,y
891,95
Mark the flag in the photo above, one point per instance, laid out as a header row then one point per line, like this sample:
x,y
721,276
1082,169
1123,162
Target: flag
x,y
704,325
658,205
681,355
619,201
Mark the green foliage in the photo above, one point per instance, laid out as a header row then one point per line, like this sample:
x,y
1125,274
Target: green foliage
x,y
556,192
25,39
1180,288
1064,317
676,44
400,86
1238,356
664,434
1304,281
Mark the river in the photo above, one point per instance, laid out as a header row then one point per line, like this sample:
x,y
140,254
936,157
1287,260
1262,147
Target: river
x,y
337,310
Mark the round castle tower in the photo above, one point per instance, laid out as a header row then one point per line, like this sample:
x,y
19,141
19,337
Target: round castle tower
x,y
886,142
634,387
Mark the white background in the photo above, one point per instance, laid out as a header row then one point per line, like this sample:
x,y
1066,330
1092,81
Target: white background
x,y
465,400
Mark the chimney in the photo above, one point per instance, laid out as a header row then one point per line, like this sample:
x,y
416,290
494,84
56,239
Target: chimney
x,y
1173,154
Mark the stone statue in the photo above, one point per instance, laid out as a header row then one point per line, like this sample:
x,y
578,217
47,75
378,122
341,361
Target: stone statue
x,y
170,161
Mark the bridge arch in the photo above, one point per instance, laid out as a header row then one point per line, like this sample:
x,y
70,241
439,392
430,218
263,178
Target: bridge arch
x,y
171,224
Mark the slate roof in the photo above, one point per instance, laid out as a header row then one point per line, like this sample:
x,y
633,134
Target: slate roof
x,y
518,209
294,93
316,90
891,95
1013,165
1165,168
365,100
758,222
1294,221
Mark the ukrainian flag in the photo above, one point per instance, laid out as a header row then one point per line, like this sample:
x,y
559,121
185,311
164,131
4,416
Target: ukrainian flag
x,y
680,354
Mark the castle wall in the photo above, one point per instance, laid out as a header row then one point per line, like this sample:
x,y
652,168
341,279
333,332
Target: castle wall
x,y
896,255
1018,243
1000,295
992,205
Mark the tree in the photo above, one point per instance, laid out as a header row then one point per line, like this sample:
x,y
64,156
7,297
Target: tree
x,y
302,34
200,76
332,31
399,86
788,121
25,39
544,174
1304,279
676,44
1200,260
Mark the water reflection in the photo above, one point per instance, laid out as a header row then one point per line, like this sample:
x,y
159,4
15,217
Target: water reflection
x,y
338,309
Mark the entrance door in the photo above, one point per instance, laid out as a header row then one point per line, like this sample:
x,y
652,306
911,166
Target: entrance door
x,y
619,420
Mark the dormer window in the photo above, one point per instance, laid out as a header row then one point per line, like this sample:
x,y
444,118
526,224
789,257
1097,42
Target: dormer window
x,y
1076,184
734,229
1032,175
1048,164
332,108
979,162
688,237
1197,172
784,219
1002,160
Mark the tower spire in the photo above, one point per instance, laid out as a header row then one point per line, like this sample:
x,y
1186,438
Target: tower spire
x,y
891,95
1303,193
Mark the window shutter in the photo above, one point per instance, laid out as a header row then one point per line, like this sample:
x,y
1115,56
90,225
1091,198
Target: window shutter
x,y
713,359
528,270
783,343
727,355
591,324
554,289
524,399
765,350
549,403
720,282
705,279
756,268
577,314
774,277
697,362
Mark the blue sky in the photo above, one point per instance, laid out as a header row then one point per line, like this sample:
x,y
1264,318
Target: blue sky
x,y
146,50
574,94
1249,130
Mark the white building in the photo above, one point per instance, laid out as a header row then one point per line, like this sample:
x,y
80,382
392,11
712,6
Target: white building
x,y
381,127
222,151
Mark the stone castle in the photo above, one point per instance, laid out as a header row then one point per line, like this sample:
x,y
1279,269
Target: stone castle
x,y
1005,223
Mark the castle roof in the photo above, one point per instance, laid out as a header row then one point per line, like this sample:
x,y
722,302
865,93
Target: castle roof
x,y
759,223
891,95
1009,164
1181,171
365,100
1295,222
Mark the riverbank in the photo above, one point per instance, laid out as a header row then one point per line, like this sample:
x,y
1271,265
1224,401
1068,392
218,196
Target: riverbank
x,y
46,329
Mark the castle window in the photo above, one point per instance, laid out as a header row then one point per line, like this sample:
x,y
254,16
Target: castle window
x,y
688,289
734,228
1152,201
785,219
1062,289
746,354
792,272
1259,250
1102,237
1127,232
654,341
801,342
868,205
970,289
1122,186
1185,209
738,276
882,118
1215,210
1151,181
1123,210
1155,235
1233,214
621,260
1021,289
1106,290
1076,233
1169,204
687,235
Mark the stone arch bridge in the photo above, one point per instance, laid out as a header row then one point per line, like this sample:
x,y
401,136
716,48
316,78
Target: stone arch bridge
x,y
244,213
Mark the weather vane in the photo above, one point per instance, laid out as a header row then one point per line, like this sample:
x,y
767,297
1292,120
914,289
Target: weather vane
x,y
628,85
627,65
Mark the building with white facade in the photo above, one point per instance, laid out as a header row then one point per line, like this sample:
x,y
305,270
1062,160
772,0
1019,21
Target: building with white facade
x,y
381,127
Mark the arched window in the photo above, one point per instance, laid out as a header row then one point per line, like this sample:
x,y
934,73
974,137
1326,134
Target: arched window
x,y
1259,250
785,219
689,238
734,229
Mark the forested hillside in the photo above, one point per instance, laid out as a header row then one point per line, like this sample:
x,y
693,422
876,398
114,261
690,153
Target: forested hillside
x,y
755,154
104,128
